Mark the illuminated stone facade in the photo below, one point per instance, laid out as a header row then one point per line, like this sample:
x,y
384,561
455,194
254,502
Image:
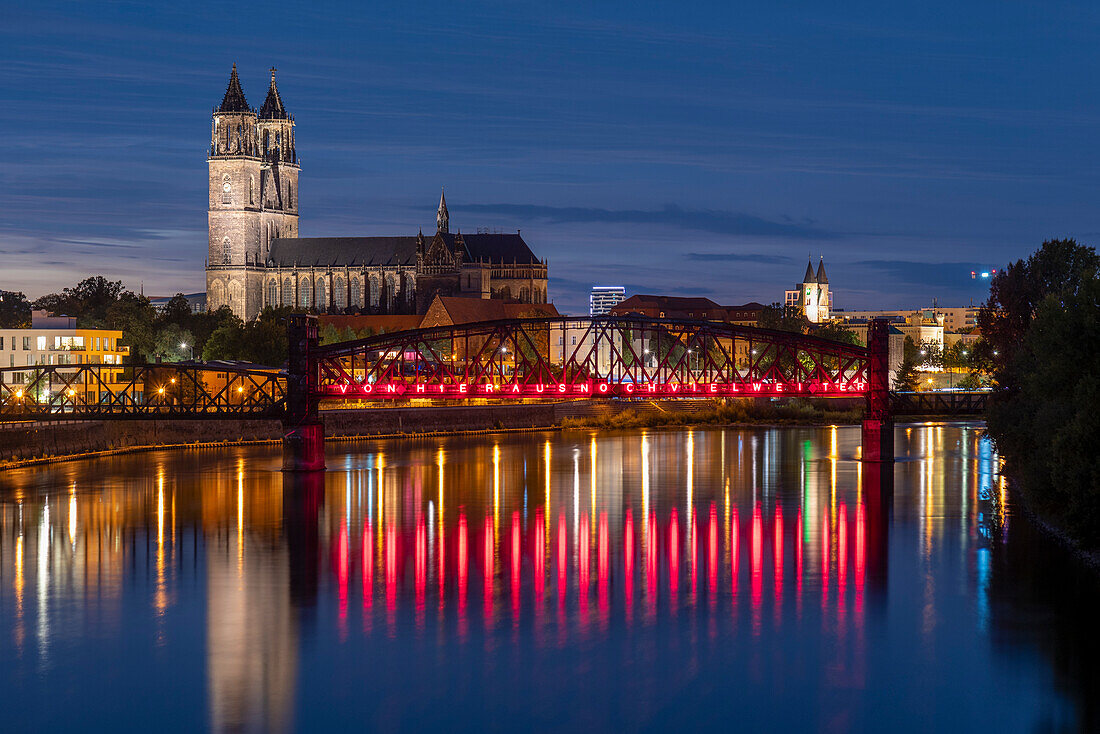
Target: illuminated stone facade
x,y
812,297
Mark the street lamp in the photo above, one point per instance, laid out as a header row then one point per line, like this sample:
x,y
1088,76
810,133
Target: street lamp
x,y
184,345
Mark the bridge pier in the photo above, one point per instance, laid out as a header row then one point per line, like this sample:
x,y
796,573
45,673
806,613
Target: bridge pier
x,y
303,432
878,425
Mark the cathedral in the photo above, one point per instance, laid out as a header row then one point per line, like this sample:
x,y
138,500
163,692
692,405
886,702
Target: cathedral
x,y
256,258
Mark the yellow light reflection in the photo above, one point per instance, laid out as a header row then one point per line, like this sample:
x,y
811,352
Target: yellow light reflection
x,y
72,515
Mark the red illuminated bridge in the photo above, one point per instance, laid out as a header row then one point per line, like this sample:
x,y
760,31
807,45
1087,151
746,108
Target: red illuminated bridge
x,y
626,357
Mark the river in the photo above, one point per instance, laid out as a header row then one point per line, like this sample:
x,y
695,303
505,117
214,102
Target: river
x,y
751,578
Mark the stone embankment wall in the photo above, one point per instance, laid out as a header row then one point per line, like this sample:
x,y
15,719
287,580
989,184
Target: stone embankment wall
x,y
23,441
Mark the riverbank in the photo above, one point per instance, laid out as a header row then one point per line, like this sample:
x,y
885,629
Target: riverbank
x,y
1049,527
740,412
23,444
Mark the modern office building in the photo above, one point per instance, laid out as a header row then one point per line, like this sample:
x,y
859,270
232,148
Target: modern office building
x,y
604,298
56,340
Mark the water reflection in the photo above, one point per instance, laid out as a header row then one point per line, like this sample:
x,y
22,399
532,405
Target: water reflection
x,y
756,555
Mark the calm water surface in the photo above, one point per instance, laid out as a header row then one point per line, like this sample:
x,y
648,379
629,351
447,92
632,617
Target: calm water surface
x,y
757,579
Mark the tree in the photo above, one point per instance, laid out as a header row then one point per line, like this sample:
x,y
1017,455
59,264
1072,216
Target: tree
x,y
1058,267
134,316
906,378
15,311
177,311
837,332
1042,322
174,343
781,318
262,341
89,301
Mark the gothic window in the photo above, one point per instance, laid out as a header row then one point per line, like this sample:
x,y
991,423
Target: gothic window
x,y
356,297
225,251
272,293
375,290
305,293
227,191
338,294
290,196
251,190
267,141
217,295
288,292
322,300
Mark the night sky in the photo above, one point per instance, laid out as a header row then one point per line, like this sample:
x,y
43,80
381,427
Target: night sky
x,y
687,148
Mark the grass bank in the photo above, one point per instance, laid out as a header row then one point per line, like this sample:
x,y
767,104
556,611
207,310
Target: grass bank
x,y
746,411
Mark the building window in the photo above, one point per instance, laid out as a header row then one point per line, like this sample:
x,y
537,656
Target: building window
x,y
272,293
251,190
227,191
338,293
305,294
288,292
27,344
225,251
290,196
356,299
322,301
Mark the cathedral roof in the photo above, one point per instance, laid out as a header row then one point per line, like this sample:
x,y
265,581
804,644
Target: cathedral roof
x,y
497,248
821,277
272,108
234,100
362,251
343,251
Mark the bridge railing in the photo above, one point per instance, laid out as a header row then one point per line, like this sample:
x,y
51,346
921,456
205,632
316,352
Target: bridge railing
x,y
53,392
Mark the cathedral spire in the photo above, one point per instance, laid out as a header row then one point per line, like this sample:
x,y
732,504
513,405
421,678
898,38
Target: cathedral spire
x,y
234,100
809,277
821,277
273,106
442,218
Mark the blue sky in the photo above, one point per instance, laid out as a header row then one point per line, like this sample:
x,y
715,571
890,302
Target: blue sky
x,y
683,148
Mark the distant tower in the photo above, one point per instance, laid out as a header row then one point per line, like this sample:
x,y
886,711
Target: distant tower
x,y
442,218
279,171
812,297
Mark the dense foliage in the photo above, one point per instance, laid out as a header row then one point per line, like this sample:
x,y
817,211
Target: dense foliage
x,y
1042,324
175,333
15,311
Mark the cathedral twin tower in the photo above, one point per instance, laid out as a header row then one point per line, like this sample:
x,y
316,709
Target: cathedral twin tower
x,y
253,187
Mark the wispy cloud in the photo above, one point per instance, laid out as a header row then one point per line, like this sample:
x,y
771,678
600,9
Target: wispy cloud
x,y
704,220
738,257
909,271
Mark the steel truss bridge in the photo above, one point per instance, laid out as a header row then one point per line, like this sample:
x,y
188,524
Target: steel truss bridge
x,y
521,359
106,391
555,358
